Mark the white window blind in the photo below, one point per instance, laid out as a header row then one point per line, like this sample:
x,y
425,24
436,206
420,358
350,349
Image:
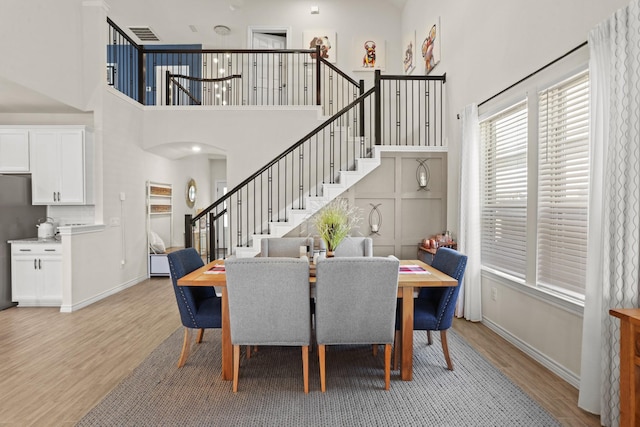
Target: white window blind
x,y
563,184
504,190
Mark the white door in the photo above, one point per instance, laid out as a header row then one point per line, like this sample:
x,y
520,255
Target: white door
x,y
161,84
270,73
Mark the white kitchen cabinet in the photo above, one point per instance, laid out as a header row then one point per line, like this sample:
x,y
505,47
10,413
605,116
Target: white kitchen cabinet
x,y
36,274
14,150
61,167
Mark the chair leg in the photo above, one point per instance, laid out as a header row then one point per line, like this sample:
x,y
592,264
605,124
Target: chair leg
x,y
236,367
321,359
200,335
248,352
429,341
445,349
387,366
186,346
305,367
397,343
375,350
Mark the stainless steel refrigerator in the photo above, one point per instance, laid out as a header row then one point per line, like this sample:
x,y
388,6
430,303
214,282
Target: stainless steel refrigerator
x,y
18,219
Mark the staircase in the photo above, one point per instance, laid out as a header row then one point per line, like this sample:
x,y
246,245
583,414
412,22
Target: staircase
x,y
399,112
330,191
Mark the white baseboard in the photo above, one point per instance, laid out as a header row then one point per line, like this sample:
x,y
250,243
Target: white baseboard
x,y
102,295
539,357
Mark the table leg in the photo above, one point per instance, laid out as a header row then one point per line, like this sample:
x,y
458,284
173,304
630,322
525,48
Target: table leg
x,y
227,348
406,364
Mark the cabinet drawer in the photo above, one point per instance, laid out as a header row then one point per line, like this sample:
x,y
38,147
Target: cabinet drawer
x,y
37,249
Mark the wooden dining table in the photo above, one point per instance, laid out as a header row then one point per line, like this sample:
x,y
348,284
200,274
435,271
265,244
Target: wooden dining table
x,y
408,282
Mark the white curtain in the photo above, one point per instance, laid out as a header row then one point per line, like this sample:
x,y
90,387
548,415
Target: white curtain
x,y
469,299
614,208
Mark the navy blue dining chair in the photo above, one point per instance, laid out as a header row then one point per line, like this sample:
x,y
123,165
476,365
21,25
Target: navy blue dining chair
x,y
199,306
435,306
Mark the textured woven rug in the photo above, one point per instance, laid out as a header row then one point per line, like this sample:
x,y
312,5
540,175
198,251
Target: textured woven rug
x,y
270,393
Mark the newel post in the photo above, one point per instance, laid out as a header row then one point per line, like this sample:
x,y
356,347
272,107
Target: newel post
x,y
318,78
378,109
188,232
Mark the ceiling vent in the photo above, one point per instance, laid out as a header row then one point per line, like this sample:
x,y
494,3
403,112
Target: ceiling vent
x,y
145,34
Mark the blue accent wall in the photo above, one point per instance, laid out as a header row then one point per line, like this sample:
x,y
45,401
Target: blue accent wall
x,y
172,57
125,59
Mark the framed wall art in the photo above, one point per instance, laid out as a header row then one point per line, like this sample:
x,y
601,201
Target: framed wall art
x,y
409,57
368,53
326,39
430,47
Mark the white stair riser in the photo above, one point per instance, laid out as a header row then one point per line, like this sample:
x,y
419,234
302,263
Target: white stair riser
x,y
313,204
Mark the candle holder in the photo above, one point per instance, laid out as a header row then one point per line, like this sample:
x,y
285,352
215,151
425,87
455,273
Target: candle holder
x,y
423,175
375,219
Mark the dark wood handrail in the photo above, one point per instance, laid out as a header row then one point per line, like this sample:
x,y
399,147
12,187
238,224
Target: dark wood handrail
x,y
200,79
340,72
203,51
284,154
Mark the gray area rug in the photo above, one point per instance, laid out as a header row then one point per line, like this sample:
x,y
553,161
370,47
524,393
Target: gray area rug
x,y
270,393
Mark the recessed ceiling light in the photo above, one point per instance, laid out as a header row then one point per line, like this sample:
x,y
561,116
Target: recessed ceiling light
x,y
315,10
195,148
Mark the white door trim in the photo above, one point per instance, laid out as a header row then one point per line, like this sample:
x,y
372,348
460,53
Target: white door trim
x,y
267,28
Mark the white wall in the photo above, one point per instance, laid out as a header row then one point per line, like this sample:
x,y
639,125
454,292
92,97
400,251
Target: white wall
x,y
490,46
41,44
249,137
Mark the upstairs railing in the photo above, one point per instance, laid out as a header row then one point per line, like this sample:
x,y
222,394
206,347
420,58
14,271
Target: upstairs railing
x,y
186,75
398,110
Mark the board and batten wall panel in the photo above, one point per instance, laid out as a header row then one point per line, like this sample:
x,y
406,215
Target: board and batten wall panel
x,y
408,213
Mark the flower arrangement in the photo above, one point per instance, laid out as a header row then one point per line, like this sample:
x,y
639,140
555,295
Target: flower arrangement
x,y
335,221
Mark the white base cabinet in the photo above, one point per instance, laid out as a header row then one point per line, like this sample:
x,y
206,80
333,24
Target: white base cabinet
x,y
36,274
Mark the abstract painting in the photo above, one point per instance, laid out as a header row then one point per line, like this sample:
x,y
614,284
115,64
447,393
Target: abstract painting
x,y
409,57
430,47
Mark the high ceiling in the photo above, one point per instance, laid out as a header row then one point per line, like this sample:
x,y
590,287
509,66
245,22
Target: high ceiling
x,y
174,22
192,21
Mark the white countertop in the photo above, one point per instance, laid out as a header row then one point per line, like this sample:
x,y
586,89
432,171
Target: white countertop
x,y
79,228
31,240
63,230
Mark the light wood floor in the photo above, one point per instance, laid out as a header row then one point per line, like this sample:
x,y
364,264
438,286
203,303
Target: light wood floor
x,y
54,367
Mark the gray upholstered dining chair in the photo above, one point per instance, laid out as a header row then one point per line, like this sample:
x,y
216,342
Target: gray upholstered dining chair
x,y
199,307
288,247
269,305
356,304
284,246
355,246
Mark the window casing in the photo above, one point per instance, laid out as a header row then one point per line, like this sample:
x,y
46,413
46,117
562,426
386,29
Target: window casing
x,y
534,217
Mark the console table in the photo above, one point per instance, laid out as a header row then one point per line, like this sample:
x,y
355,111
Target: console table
x,y
629,364
426,254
